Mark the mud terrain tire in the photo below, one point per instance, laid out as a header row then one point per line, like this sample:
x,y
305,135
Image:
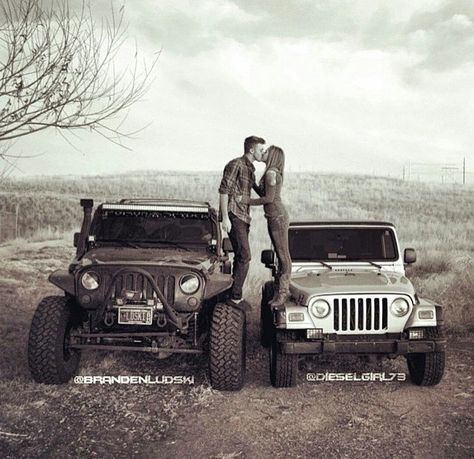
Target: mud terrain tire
x,y
266,320
49,358
227,348
427,369
283,367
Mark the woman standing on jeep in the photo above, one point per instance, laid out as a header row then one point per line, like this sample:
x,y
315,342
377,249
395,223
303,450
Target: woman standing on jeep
x,y
277,217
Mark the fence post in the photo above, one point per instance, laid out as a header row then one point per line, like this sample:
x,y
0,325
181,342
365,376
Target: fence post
x,y
16,220
464,171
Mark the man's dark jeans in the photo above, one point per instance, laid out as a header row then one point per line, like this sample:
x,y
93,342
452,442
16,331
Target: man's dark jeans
x,y
239,236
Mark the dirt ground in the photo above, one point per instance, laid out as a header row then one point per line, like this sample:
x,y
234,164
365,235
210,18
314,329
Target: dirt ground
x,y
334,419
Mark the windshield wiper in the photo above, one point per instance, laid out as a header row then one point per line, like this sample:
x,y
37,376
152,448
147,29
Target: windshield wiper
x,y
172,244
373,264
325,264
142,244
121,242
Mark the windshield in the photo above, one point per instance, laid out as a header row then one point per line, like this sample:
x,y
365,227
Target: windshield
x,y
342,244
152,227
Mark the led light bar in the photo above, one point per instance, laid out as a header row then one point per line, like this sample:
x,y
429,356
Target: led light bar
x,y
132,207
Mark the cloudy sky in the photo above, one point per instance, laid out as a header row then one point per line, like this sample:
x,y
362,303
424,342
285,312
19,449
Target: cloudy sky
x,y
343,85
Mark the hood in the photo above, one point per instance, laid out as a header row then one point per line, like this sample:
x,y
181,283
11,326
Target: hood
x,y
351,282
197,259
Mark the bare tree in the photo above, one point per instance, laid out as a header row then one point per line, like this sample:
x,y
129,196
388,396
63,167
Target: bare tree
x,y
57,70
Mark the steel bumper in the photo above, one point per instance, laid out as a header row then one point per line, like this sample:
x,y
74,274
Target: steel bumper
x,y
397,347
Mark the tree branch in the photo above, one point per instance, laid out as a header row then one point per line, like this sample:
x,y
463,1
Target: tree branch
x,y
59,70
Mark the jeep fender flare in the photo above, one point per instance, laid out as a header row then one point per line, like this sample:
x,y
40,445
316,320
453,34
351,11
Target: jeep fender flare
x,y
64,280
424,305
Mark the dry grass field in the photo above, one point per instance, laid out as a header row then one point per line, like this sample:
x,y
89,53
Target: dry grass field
x,y
332,419
436,219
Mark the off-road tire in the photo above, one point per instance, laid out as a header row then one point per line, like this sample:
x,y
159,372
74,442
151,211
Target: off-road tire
x,y
227,348
266,320
427,369
283,367
49,358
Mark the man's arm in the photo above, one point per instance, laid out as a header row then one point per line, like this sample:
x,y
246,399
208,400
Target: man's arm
x,y
223,206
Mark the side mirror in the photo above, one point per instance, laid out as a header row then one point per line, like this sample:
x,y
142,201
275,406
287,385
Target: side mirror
x,y
87,203
227,245
268,257
76,239
409,256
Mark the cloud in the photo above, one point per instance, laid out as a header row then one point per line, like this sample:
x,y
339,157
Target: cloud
x,y
187,27
349,86
444,38
437,33
430,35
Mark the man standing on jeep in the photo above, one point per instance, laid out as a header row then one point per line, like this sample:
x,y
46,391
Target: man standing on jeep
x,y
238,180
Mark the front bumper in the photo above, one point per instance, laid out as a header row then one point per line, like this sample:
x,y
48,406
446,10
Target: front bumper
x,y
150,341
393,347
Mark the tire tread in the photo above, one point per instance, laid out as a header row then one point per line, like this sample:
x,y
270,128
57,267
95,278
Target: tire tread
x,y
227,348
52,314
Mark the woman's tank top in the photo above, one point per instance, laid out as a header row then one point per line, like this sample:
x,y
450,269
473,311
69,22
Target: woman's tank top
x,y
275,208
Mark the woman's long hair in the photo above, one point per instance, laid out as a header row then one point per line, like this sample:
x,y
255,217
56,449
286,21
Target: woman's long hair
x,y
275,161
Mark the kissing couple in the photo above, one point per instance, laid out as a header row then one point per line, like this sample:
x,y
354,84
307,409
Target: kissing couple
x,y
238,181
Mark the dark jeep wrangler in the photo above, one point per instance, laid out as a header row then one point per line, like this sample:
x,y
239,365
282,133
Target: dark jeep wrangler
x,y
150,276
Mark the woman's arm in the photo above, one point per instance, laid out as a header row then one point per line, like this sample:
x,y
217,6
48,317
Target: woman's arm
x,y
258,189
270,190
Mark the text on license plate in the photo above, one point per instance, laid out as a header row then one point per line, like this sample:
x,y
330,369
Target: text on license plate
x,y
135,316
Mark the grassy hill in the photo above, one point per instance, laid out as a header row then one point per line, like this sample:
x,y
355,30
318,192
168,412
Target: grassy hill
x,y
436,219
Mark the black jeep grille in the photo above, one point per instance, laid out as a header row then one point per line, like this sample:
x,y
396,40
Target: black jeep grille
x,y
139,283
360,314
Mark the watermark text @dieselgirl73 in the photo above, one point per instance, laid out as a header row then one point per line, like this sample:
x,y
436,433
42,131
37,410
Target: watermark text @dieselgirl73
x,y
355,377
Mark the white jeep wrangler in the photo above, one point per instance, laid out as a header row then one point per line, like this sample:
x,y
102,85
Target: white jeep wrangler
x,y
350,295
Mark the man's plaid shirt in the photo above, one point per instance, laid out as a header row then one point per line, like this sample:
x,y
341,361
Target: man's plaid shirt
x,y
238,179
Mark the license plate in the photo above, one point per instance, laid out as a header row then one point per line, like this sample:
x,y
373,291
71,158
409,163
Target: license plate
x,y
135,316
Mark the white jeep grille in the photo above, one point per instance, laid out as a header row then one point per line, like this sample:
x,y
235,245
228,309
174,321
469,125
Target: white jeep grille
x,y
360,314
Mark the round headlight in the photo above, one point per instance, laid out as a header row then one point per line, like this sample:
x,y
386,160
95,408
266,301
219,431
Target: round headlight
x,y
189,284
320,308
400,307
90,280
